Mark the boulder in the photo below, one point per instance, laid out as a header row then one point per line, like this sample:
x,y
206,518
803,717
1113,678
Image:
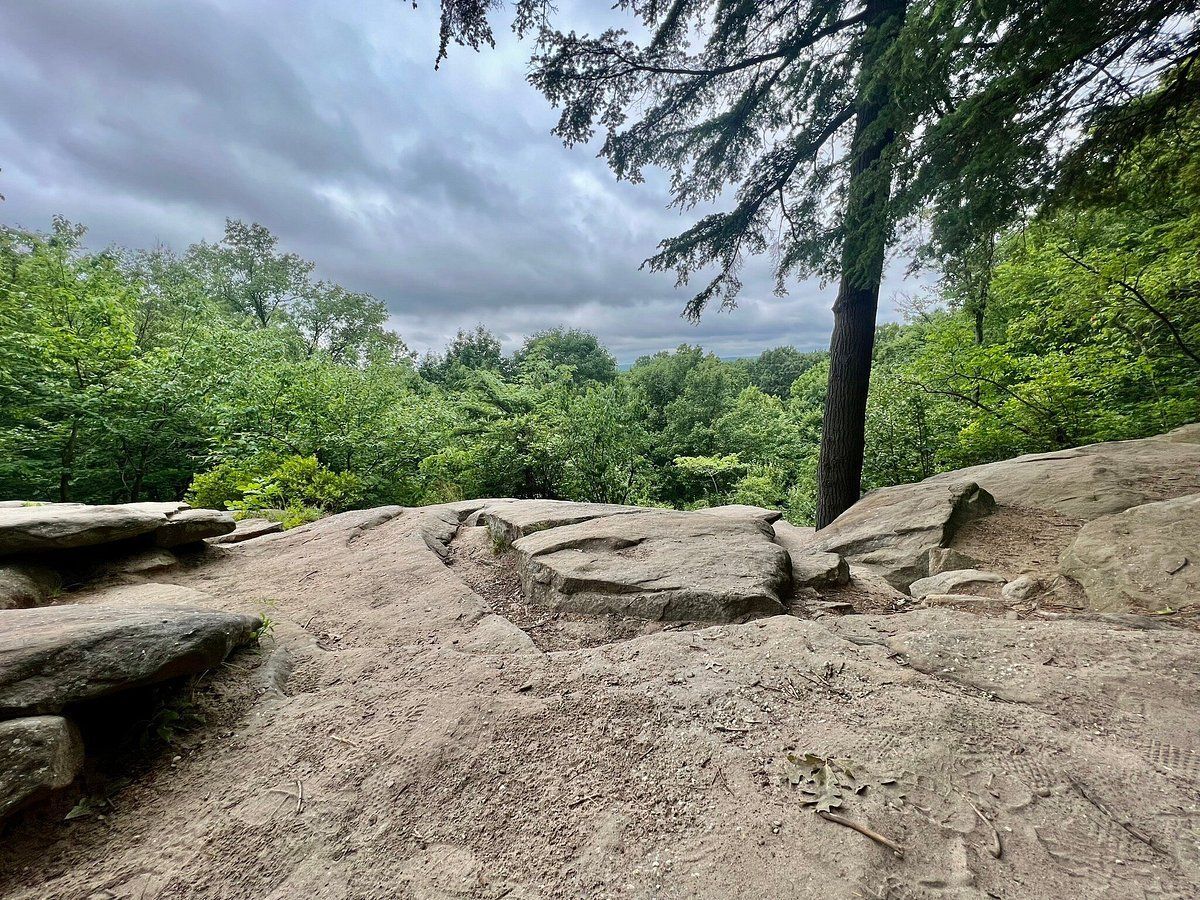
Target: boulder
x,y
893,529
1022,588
1096,480
810,567
27,584
510,520
1145,558
57,655
947,559
975,582
246,530
658,565
38,529
743,511
38,754
191,526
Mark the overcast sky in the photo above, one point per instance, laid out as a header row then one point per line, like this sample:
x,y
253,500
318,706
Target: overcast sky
x,y
442,193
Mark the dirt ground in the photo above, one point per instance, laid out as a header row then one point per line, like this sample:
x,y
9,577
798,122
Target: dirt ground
x,y
410,729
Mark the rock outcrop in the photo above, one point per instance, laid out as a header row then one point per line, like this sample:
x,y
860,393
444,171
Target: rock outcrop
x,y
38,754
1093,481
510,520
189,526
1145,558
54,527
892,530
49,529
658,565
247,529
54,656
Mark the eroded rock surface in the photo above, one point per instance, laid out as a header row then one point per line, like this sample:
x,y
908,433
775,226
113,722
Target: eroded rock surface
x,y
1145,558
26,584
248,529
54,527
743,511
810,567
190,526
1096,480
510,520
57,655
38,754
892,530
657,564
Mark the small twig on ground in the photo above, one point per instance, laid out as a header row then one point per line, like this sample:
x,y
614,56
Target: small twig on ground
x,y
737,729
310,619
863,830
997,848
1129,827
299,796
582,800
346,741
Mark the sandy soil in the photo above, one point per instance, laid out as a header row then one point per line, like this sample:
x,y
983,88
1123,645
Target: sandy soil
x,y
395,737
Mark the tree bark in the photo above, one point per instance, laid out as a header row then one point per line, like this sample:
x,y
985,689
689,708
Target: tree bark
x,y
843,431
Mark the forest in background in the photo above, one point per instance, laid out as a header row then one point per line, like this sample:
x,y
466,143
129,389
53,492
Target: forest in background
x,y
228,375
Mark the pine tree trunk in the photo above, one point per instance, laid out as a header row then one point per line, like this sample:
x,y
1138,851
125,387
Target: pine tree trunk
x,y
839,471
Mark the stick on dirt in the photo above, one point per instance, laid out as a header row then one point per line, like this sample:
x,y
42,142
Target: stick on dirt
x,y
863,830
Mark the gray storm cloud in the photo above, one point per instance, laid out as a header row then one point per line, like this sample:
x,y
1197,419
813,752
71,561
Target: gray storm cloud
x,y
443,193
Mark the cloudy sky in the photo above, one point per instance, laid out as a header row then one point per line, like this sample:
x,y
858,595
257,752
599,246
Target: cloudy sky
x,y
443,193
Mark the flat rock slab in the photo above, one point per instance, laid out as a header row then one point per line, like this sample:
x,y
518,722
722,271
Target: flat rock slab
x,y
57,655
892,530
657,565
246,530
190,526
510,520
38,754
39,529
1146,558
1096,480
959,581
743,511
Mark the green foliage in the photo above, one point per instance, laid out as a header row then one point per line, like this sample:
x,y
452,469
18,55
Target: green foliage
x,y
136,376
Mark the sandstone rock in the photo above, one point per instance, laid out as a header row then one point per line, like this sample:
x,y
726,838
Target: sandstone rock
x,y
1145,558
140,563
510,520
27,584
56,655
147,593
38,754
959,581
37,529
946,559
246,530
190,526
967,603
1022,588
167,507
892,530
1096,480
810,567
790,535
496,634
743,511
657,564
